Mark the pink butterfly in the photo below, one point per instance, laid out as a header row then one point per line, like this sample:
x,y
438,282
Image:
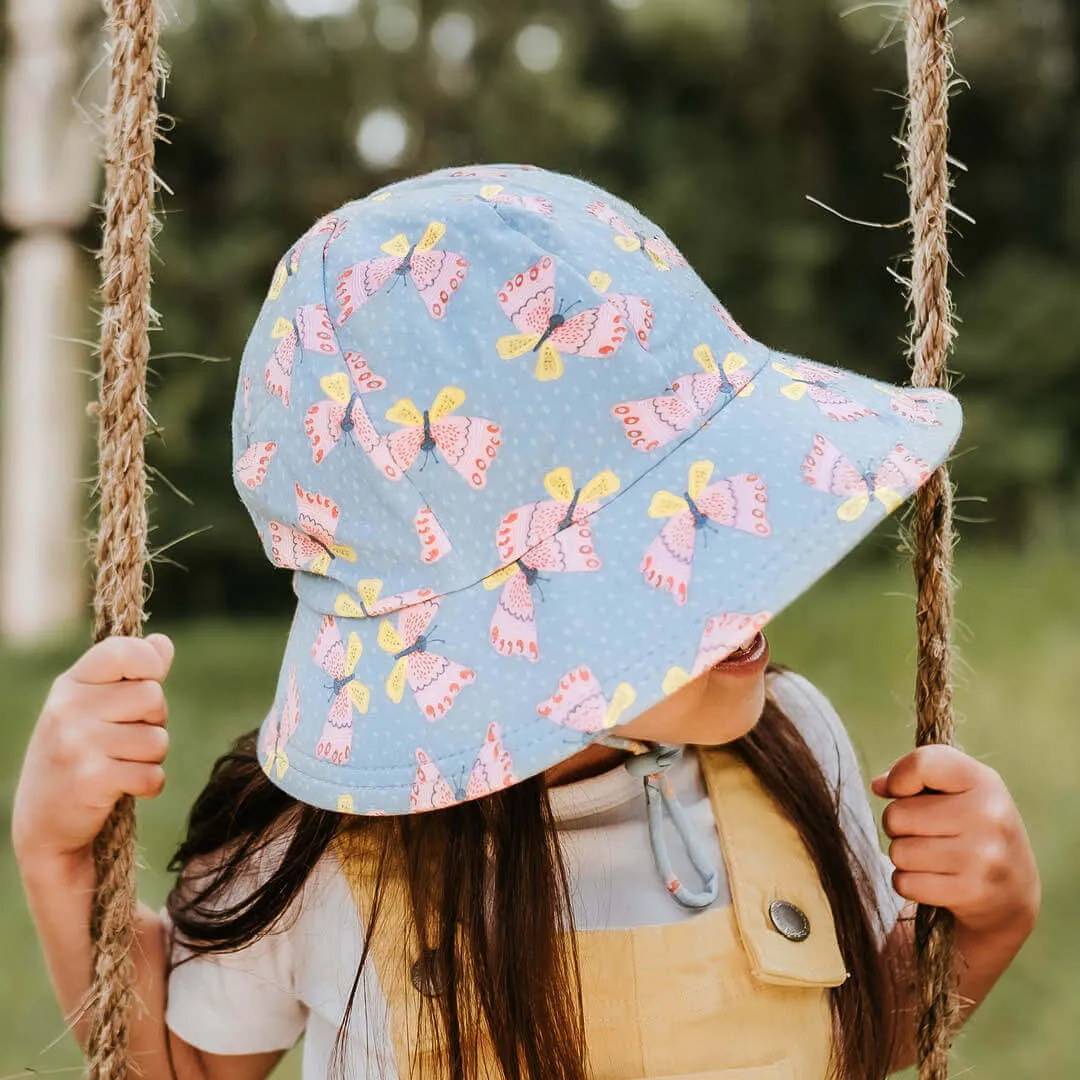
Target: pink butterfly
x,y
367,604
468,443
331,225
346,692
827,469
276,737
662,252
436,275
434,543
723,634
579,703
252,465
311,329
736,330
815,380
653,422
434,680
528,299
494,193
342,414
915,404
636,310
528,525
513,625
737,502
310,545
492,771
549,536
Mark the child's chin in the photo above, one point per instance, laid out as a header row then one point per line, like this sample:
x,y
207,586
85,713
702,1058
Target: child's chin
x,y
725,738
733,720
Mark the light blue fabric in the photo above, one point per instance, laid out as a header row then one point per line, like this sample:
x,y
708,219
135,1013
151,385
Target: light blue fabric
x,y
313,474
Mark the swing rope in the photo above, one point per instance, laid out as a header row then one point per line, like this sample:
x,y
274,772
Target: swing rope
x,y
126,318
131,123
929,64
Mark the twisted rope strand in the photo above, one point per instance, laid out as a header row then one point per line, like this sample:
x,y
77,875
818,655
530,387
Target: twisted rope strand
x,y
131,123
929,64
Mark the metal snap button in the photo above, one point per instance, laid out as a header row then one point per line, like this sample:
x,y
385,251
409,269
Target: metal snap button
x,y
789,920
426,976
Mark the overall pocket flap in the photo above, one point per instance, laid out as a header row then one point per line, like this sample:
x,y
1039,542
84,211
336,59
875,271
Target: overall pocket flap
x,y
767,862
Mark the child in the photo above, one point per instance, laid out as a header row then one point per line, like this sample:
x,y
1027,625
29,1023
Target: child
x,y
540,495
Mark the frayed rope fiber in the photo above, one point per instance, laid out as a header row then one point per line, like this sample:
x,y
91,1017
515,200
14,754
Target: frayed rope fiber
x,y
929,63
130,131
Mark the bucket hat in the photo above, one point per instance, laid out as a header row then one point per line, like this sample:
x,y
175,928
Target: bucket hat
x,y
530,476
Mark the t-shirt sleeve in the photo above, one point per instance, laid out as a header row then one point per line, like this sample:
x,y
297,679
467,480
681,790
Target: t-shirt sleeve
x,y
825,734
241,1002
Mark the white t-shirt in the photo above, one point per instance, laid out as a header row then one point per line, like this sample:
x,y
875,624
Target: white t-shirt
x,y
296,980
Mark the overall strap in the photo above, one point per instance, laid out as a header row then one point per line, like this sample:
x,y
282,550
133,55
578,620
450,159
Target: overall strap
x,y
782,912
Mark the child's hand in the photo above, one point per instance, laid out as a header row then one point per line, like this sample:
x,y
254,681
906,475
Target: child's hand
x,y
101,734
958,841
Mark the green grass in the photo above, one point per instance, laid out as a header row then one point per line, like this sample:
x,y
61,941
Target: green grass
x,y
1019,685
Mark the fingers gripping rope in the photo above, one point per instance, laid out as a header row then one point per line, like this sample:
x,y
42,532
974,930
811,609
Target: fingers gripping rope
x,y
929,61
131,123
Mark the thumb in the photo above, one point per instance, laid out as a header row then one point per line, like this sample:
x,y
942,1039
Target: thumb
x,y
880,785
163,646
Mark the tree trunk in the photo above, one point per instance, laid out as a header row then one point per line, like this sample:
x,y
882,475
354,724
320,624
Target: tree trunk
x,y
50,174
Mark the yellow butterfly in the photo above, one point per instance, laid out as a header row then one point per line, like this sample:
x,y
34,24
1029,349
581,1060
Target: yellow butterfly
x,y
559,485
367,605
276,736
364,605
404,412
339,659
579,703
733,369
666,504
440,680
529,525
390,640
528,300
625,696
399,245
310,545
468,444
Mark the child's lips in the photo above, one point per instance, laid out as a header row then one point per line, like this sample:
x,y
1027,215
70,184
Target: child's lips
x,y
749,659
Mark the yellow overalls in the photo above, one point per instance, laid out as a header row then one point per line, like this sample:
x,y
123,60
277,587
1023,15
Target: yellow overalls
x,y
722,996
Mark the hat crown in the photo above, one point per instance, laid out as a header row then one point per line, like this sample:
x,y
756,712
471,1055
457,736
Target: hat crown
x,y
446,379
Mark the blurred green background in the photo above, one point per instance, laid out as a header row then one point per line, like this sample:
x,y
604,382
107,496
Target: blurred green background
x,y
718,118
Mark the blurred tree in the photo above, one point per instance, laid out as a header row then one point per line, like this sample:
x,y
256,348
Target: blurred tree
x,y
716,117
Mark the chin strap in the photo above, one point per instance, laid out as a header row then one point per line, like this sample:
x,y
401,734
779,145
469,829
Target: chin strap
x,y
651,764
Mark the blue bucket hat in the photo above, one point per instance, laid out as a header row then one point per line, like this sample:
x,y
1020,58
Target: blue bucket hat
x,y
531,477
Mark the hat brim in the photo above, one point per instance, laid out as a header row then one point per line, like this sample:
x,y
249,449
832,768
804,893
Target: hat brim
x,y
615,638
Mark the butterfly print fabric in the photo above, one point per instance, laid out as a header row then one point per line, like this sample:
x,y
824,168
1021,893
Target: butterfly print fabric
x,y
528,476
436,275
468,443
552,331
654,422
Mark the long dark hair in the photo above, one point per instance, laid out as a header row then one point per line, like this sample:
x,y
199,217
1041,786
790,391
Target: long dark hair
x,y
520,984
